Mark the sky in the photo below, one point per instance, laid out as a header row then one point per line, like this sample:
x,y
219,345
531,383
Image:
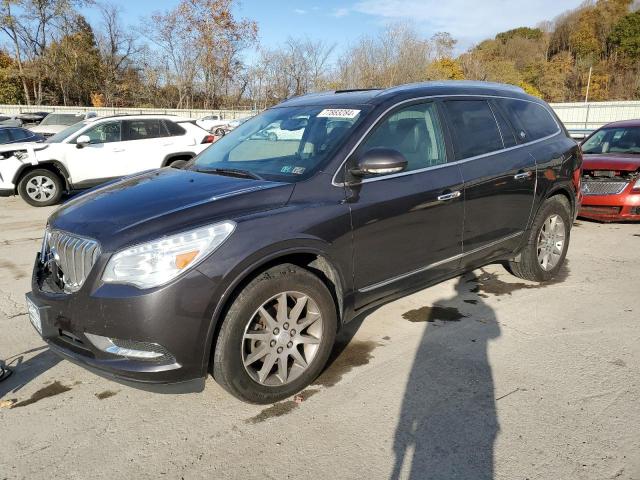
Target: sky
x,y
343,22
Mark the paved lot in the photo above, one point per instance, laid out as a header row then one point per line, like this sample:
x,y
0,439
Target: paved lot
x,y
483,376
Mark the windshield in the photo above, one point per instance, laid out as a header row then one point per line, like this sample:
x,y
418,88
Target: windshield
x,y
64,134
61,119
614,140
285,144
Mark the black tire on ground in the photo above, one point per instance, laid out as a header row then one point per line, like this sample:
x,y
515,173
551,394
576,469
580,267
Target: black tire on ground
x,y
41,188
228,367
272,137
527,265
178,163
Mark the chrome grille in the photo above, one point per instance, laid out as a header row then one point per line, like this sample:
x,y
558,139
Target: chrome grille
x,y
73,255
603,188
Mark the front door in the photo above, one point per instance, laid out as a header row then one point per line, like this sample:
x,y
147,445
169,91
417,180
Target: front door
x,y
407,226
101,160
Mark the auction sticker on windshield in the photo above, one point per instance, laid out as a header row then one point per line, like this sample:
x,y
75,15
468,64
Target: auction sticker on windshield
x,y
338,113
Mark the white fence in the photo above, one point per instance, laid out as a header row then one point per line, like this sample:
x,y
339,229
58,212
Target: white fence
x,y
574,115
593,115
104,111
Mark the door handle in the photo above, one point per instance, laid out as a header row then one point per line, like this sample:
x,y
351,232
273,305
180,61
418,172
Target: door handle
x,y
522,175
449,196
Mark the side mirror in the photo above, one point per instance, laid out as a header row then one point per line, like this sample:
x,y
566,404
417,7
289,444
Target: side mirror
x,y
379,161
82,141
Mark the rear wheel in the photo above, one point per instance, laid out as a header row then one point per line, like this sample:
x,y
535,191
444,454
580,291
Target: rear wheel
x,y
41,188
548,241
277,335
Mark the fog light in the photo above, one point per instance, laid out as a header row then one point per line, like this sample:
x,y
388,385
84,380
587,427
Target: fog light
x,y
109,345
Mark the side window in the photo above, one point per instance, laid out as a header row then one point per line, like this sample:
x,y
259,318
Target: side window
x,y
475,130
19,134
104,133
508,135
143,129
531,120
4,135
415,132
173,128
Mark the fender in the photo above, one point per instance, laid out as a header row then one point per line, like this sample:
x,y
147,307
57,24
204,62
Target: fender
x,y
59,166
245,269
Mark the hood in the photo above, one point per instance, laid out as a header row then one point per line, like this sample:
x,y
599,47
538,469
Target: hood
x,y
52,129
161,202
611,161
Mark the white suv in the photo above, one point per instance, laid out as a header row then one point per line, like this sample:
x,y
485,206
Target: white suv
x,y
94,151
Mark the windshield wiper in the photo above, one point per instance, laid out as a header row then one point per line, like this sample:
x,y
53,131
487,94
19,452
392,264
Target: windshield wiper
x,y
231,172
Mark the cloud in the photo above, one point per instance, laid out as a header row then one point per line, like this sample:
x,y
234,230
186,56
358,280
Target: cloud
x,y
300,11
469,22
340,12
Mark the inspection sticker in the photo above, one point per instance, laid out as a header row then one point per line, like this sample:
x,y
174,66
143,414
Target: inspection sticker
x,y
338,113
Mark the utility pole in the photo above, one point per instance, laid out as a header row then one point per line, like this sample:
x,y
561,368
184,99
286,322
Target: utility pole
x,y
586,97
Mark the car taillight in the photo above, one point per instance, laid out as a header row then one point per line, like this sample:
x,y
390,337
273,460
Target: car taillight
x,y
208,139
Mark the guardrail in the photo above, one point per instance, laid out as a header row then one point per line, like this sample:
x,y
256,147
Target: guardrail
x,y
227,114
576,115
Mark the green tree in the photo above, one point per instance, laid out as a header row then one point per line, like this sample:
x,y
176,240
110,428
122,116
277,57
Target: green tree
x,y
625,36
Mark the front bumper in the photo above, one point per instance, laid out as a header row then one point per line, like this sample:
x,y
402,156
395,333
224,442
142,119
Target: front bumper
x,y
624,207
176,317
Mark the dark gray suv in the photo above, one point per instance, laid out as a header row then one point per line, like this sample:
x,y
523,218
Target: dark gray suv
x,y
248,260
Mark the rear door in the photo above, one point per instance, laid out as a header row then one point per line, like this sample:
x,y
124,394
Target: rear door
x,y
499,178
146,142
407,227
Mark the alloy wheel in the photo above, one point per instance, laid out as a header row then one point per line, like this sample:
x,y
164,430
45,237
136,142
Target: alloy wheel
x,y
551,242
282,338
41,188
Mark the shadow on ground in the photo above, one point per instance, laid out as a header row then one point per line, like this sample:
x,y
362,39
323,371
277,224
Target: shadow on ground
x,y
448,421
24,371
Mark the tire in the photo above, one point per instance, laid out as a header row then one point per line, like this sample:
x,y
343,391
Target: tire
x,y
41,188
233,349
529,266
272,137
178,163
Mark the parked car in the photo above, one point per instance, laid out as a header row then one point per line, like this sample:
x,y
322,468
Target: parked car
x,y
56,122
611,176
18,135
250,259
210,122
32,118
95,151
10,121
227,127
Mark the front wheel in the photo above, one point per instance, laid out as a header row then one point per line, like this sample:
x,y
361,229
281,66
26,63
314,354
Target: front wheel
x,y
277,335
548,241
40,188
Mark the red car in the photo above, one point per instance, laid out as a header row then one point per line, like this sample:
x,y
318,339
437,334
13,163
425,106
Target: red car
x,y
611,173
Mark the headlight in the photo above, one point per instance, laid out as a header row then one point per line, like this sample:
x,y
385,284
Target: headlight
x,y
157,262
636,186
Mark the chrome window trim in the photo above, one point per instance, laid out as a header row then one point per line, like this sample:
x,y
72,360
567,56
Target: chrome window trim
x,y
455,162
402,276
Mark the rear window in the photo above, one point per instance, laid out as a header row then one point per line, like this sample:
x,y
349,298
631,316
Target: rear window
x,y
475,130
174,128
19,134
531,120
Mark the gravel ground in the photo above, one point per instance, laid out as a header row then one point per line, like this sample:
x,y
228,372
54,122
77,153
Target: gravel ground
x,y
483,376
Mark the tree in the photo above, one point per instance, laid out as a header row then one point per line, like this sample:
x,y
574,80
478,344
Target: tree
x,y
625,36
